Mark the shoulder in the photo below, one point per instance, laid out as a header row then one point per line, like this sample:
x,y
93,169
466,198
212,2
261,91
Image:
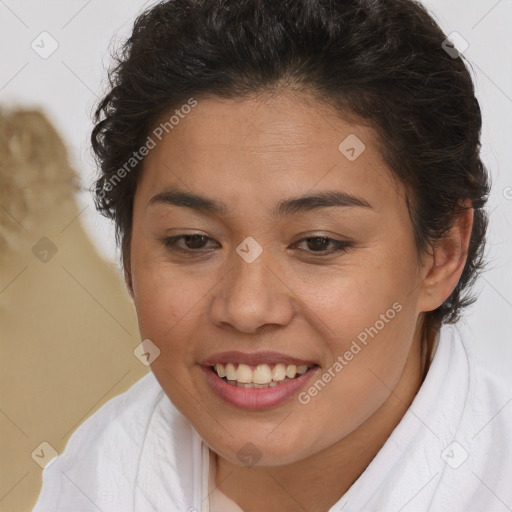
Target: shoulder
x,y
487,404
478,460
489,391
123,417
100,460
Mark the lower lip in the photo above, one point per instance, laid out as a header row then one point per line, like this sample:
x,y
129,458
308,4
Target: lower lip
x,y
256,398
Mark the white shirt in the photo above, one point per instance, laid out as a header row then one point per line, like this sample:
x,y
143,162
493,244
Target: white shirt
x,y
451,452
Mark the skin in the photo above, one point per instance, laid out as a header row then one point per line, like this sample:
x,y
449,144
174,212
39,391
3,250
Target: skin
x,y
250,154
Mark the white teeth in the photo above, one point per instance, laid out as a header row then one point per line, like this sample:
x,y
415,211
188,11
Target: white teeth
x,y
244,374
230,371
262,376
291,370
220,370
302,369
279,372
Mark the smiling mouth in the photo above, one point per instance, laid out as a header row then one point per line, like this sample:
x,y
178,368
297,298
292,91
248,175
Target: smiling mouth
x,y
260,376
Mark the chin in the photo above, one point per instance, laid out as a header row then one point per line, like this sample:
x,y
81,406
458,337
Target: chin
x,y
259,450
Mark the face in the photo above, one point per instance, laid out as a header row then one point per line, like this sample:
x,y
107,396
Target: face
x,y
265,250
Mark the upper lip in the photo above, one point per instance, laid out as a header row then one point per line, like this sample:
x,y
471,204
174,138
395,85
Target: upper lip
x,y
254,359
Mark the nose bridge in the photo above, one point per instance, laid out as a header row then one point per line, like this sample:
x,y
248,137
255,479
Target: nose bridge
x,y
250,278
251,295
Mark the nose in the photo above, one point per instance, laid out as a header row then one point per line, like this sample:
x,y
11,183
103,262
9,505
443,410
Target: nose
x,y
251,296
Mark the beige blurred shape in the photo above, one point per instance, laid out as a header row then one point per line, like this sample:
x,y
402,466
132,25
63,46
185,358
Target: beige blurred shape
x,y
67,326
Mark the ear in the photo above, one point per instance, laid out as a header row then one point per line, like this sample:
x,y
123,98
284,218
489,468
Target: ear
x,y
446,263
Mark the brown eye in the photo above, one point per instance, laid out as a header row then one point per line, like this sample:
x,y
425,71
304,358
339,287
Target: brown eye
x,y
192,243
195,241
320,244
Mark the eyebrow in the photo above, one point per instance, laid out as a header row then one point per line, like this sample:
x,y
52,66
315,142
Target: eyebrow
x,y
286,207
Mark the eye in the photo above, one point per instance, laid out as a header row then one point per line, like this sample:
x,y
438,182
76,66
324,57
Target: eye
x,y
320,244
193,243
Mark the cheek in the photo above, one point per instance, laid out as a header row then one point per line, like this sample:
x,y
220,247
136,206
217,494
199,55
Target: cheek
x,y
367,317
168,300
168,307
368,358
350,299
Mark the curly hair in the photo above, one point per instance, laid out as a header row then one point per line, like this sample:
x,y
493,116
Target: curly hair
x,y
381,61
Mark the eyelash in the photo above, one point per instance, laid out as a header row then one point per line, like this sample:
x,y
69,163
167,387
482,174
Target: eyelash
x,y
340,246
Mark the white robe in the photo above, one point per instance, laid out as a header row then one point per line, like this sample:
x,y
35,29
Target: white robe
x,y
451,452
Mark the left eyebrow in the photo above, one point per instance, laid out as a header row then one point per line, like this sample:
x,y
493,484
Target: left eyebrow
x,y
284,208
318,200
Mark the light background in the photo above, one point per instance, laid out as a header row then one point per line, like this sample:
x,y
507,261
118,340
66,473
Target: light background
x,y
67,85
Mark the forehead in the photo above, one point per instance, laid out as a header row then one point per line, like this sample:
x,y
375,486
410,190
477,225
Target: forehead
x,y
286,144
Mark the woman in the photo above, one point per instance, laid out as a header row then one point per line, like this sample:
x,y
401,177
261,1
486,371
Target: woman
x,y
298,197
